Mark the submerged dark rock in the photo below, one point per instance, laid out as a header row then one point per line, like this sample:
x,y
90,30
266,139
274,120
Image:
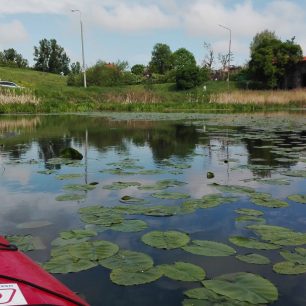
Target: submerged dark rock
x,y
71,154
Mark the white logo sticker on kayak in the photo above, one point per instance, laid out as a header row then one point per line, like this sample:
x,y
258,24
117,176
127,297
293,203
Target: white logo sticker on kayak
x,y
10,295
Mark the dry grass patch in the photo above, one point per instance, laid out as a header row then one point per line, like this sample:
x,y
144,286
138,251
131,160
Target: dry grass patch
x,y
9,96
130,97
259,97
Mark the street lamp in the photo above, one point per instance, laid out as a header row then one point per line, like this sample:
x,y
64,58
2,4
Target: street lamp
x,y
82,41
229,52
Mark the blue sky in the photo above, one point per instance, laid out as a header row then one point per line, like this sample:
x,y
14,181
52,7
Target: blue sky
x,y
128,30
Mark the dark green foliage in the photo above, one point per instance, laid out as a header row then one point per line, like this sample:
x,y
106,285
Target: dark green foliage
x,y
11,58
75,68
161,60
138,69
105,74
271,59
51,57
188,77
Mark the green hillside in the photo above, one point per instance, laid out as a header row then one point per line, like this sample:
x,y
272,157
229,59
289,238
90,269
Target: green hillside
x,y
53,95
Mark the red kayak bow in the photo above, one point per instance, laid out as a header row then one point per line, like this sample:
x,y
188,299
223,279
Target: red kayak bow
x,y
23,282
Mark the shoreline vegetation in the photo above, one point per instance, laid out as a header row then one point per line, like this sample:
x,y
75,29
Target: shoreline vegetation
x,y
48,93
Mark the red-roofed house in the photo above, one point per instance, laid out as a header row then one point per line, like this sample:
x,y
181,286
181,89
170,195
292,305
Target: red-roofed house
x,y
296,78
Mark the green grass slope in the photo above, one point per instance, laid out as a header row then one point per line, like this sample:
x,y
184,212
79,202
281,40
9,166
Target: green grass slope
x,y
55,96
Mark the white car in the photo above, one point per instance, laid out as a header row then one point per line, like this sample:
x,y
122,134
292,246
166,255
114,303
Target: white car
x,y
9,84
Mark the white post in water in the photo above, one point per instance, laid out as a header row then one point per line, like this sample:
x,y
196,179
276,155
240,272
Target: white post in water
x,y
82,41
229,54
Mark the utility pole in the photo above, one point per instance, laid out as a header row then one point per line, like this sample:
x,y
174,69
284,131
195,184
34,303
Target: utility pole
x,y
82,41
229,54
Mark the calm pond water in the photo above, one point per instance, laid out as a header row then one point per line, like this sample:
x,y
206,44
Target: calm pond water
x,y
265,152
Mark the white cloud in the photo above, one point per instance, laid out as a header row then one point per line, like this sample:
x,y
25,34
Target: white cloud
x,y
12,32
136,17
36,6
203,17
194,18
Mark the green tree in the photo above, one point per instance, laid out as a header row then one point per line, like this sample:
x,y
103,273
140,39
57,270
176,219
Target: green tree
x,y
271,59
138,69
51,57
161,60
188,77
75,68
182,57
10,57
260,37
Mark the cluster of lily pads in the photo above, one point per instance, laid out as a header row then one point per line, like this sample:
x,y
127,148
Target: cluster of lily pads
x,y
80,249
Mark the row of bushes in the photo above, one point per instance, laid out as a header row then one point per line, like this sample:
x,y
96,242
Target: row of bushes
x,y
103,74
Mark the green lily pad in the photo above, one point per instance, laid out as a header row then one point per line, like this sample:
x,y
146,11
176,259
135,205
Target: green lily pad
x,y
207,201
234,189
266,200
254,259
209,248
244,287
131,278
296,257
205,297
34,224
249,212
117,171
250,219
60,242
151,172
129,199
288,267
170,195
100,215
25,243
165,240
163,184
79,187
128,261
274,181
296,173
204,294
121,185
160,211
278,235
67,264
70,197
95,250
299,198
252,243
69,176
129,226
77,234
183,271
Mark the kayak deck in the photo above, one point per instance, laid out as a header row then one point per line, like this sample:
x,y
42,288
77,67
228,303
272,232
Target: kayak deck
x,y
23,282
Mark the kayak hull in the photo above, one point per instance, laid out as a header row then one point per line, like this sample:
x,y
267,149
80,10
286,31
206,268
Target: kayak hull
x,y
23,282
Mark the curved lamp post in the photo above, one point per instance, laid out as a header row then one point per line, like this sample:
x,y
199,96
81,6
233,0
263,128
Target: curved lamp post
x,y
229,52
82,41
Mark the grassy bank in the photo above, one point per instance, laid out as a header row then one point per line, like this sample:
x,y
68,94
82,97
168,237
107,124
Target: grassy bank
x,y
46,92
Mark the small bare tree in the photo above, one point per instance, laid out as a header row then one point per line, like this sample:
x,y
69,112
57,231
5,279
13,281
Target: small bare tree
x,y
209,57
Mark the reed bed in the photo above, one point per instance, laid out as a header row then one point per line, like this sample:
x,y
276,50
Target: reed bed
x,y
20,96
259,97
146,97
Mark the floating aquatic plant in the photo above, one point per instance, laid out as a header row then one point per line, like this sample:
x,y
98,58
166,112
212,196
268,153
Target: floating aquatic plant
x,y
165,240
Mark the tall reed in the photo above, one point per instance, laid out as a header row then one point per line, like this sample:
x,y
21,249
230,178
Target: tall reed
x,y
17,96
260,97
